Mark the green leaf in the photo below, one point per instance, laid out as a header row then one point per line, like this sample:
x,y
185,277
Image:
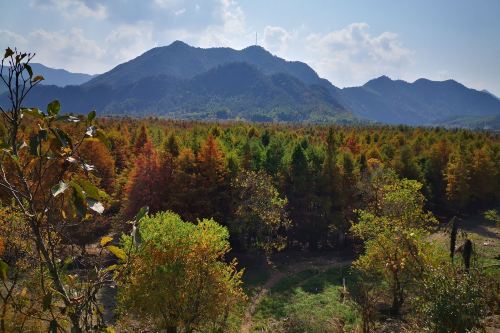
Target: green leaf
x,y
53,108
91,116
8,52
43,134
68,118
4,270
53,326
78,198
119,253
106,240
91,191
111,268
59,188
34,112
35,145
47,301
95,205
30,71
102,137
63,137
142,212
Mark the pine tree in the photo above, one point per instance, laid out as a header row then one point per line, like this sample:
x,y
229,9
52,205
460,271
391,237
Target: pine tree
x,y
212,182
144,185
141,139
457,176
171,145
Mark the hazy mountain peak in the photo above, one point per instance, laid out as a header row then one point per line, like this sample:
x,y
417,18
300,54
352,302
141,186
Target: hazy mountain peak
x,y
181,60
179,43
379,81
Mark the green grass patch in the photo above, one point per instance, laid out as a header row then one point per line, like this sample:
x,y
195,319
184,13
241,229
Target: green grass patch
x,y
289,282
310,302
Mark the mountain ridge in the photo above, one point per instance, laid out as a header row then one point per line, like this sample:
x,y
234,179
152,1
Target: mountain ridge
x,y
422,102
186,82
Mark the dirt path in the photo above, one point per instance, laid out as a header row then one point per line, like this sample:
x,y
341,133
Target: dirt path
x,y
321,264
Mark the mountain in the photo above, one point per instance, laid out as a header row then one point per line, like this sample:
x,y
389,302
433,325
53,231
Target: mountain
x,y
185,82
422,102
181,81
56,77
490,93
181,60
490,123
59,77
230,91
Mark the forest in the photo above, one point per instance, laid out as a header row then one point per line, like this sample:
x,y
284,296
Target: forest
x,y
117,224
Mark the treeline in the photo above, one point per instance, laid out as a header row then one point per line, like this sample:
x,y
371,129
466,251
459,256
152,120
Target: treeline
x,y
322,172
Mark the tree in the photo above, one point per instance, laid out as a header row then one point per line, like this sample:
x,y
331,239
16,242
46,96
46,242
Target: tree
x,y
451,300
172,146
178,276
394,233
457,177
330,190
260,214
144,187
141,139
47,181
211,196
483,177
273,157
100,159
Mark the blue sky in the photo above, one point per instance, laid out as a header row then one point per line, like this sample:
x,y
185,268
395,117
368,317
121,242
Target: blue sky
x,y
347,42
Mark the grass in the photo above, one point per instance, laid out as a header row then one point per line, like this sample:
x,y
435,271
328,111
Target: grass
x,y
485,236
311,302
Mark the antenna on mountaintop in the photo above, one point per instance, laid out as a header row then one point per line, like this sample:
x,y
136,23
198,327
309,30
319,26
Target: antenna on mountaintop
x,y
256,38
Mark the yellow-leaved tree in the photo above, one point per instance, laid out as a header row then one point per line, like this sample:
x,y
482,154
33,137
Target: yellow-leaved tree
x,y
178,279
394,229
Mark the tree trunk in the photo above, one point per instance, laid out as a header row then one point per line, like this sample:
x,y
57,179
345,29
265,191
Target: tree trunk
x,y
397,298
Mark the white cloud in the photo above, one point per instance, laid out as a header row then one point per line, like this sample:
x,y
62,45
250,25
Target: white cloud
x,y
127,41
179,12
276,39
72,49
74,8
352,55
228,29
347,56
11,39
165,3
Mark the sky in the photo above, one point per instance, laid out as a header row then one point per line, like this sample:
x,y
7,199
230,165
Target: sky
x,y
348,42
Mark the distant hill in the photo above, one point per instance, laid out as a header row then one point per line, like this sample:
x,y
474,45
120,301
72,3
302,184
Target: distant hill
x,y
56,77
491,123
422,102
60,77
